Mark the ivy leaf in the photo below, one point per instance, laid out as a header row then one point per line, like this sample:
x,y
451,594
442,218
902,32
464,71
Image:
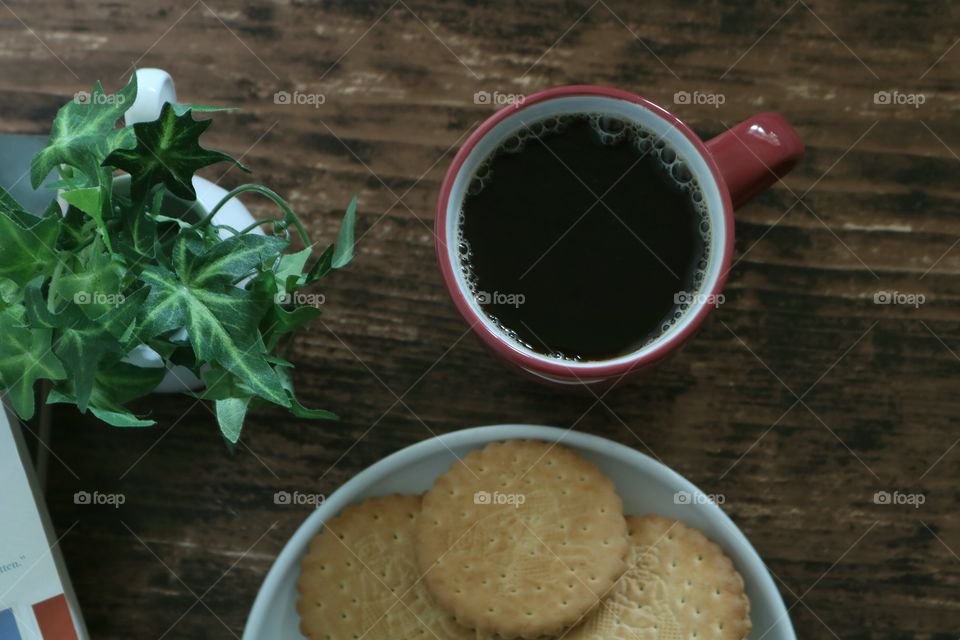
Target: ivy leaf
x,y
97,288
95,202
187,249
289,320
27,242
289,272
138,237
85,132
231,401
231,260
125,382
82,344
87,199
231,413
181,108
298,409
114,386
73,234
168,151
221,326
343,251
321,267
279,320
25,357
117,416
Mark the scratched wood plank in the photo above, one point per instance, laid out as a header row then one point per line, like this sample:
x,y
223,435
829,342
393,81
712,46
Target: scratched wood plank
x,y
878,213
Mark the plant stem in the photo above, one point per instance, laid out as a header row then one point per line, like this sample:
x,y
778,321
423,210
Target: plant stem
x,y
256,224
289,215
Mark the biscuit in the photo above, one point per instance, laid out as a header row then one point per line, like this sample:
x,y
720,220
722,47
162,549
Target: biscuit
x,y
521,538
359,578
679,585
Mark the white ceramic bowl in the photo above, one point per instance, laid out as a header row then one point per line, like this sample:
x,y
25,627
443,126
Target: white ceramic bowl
x,y
645,485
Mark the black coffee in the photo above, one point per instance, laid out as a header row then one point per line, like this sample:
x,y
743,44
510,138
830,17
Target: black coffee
x,y
580,235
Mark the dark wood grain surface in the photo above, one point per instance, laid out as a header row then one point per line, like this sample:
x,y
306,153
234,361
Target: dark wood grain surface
x,y
799,399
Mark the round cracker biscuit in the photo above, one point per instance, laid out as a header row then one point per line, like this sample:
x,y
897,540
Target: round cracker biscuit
x,y
359,578
679,585
521,538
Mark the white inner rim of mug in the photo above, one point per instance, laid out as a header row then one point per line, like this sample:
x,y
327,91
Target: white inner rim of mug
x,y
626,110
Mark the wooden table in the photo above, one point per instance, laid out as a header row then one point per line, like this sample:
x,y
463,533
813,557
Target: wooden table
x,y
798,401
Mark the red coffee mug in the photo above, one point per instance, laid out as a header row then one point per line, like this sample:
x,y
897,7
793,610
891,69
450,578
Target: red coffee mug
x,y
730,169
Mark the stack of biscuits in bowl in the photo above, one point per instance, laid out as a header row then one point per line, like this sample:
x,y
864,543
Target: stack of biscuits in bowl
x,y
520,539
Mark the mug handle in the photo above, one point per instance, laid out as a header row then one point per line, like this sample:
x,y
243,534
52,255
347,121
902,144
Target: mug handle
x,y
755,154
154,88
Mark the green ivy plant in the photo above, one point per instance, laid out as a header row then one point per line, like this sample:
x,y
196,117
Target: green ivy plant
x,y
145,265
